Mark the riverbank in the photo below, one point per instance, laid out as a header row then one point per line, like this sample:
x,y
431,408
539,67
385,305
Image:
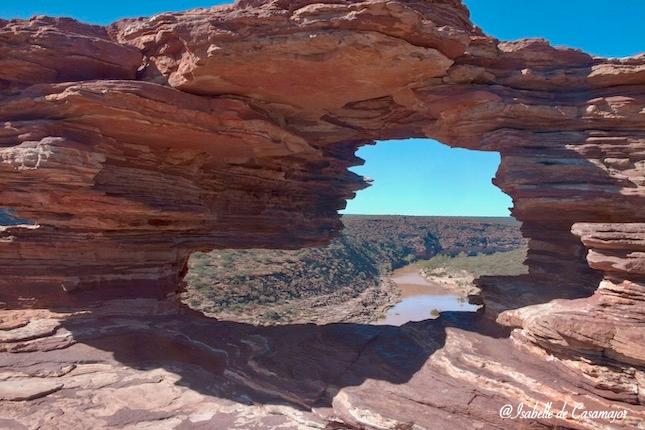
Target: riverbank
x,y
370,304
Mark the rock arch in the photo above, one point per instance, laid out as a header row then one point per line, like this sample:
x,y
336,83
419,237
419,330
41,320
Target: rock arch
x,y
133,145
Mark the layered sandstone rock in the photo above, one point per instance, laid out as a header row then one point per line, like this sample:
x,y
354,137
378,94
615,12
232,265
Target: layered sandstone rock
x,y
235,126
605,329
44,50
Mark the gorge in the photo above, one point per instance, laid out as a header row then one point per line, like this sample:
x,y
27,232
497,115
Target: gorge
x,y
124,149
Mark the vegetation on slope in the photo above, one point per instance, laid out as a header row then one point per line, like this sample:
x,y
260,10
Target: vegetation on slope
x,y
501,263
339,282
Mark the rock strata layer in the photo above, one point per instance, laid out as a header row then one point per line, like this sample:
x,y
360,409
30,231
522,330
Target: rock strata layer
x,y
233,127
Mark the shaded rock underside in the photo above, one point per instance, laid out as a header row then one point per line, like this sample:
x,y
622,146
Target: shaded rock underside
x,y
124,149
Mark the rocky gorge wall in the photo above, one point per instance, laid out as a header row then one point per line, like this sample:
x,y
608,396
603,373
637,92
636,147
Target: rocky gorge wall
x,y
127,147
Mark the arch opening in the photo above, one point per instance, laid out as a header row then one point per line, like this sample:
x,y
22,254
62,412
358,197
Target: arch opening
x,y
424,177
432,217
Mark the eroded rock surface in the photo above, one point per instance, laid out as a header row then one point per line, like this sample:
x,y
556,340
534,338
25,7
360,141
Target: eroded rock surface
x,y
234,127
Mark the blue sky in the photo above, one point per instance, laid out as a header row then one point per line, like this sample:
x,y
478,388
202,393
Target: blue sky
x,y
423,177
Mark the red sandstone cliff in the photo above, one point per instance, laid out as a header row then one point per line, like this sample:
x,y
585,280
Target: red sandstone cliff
x,y
128,147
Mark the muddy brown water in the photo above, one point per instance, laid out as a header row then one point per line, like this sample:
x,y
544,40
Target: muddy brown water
x,y
421,299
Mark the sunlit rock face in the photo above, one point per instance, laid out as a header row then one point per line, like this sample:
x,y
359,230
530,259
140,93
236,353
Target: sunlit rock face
x,y
128,147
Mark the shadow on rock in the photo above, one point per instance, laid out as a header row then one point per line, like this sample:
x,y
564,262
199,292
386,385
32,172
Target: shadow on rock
x,y
302,366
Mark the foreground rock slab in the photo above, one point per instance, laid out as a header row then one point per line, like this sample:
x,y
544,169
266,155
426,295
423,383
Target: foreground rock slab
x,y
150,364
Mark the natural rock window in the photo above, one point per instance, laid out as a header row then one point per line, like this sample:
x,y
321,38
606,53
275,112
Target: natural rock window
x,y
233,128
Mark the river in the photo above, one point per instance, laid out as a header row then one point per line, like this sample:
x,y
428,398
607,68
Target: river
x,y
421,299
